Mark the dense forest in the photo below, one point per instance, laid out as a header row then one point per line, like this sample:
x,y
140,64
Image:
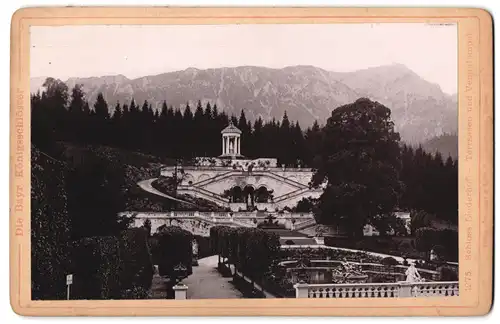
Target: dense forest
x,y
59,115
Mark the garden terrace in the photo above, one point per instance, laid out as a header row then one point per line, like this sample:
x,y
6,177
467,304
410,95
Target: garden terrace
x,y
375,271
379,269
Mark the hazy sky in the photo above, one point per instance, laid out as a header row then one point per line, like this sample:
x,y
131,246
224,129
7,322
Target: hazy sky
x,y
134,51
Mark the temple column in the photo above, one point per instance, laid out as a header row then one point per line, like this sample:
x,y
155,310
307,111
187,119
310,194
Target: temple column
x,y
223,145
237,145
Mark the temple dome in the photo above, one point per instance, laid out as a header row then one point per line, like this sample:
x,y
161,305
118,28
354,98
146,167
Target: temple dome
x,y
231,129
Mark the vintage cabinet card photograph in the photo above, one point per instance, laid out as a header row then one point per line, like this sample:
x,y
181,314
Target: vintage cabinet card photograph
x,y
251,161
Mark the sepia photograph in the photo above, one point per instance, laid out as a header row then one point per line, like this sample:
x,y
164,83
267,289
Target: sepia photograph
x,y
234,161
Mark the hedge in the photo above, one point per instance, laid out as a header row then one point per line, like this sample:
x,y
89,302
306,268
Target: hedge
x,y
109,267
204,249
252,251
328,254
174,247
426,238
96,268
389,261
50,228
447,274
136,265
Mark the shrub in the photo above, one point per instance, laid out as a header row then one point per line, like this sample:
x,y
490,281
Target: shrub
x,y
136,293
420,219
304,205
440,251
174,248
147,226
154,245
251,250
389,261
449,240
165,185
50,229
405,246
271,225
381,278
136,265
425,239
96,268
447,274
203,246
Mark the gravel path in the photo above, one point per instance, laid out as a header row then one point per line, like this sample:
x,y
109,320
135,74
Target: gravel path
x,y
206,282
146,185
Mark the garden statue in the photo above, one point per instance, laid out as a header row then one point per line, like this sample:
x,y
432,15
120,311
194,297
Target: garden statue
x,y
412,274
194,245
433,255
348,273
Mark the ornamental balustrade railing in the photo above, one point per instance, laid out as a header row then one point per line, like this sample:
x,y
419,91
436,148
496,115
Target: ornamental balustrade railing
x,y
222,168
378,290
240,217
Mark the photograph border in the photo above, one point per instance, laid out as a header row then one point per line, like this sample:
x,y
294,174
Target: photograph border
x,y
475,114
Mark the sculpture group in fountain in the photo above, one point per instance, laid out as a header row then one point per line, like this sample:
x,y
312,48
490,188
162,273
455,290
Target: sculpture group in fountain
x,y
349,273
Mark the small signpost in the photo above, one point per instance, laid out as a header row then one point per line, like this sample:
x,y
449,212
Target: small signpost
x,y
69,281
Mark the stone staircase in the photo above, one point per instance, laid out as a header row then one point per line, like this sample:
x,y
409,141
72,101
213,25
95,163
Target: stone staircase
x,y
203,193
261,173
305,224
220,176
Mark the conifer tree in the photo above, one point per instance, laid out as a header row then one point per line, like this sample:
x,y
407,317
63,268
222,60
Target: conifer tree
x,y
101,108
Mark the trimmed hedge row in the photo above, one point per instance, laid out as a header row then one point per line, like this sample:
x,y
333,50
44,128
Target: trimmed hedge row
x,y
327,254
96,262
173,248
50,228
252,251
136,264
109,267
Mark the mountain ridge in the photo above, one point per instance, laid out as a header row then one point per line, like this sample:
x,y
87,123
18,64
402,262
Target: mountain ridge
x,y
420,109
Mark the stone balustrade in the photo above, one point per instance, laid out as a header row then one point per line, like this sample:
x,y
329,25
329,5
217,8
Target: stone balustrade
x,y
229,168
200,222
236,215
397,269
377,290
